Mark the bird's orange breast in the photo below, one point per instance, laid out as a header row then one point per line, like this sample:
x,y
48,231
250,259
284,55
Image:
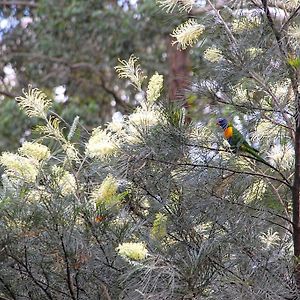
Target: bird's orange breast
x,y
228,133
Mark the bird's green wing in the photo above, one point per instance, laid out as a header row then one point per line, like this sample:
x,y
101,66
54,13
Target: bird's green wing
x,y
238,142
237,139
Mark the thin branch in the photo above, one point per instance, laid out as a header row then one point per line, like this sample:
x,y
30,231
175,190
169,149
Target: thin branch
x,y
243,155
219,99
222,169
31,4
201,10
8,94
291,17
66,259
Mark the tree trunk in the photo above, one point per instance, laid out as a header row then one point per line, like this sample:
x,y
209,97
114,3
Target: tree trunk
x,y
296,195
178,61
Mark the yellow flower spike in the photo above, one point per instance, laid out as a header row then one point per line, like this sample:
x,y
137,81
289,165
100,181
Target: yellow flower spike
x,y
133,251
187,34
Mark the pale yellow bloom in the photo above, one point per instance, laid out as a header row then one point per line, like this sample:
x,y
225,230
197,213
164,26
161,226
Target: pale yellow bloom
x,y
245,23
71,152
203,229
145,117
265,129
253,52
106,193
292,4
140,120
34,102
255,192
270,238
21,167
154,87
117,124
159,227
213,54
65,181
36,195
282,156
294,31
129,69
35,150
102,144
187,34
52,129
240,94
169,5
134,251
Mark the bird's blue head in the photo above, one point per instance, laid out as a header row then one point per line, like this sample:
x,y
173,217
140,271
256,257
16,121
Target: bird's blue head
x,y
222,122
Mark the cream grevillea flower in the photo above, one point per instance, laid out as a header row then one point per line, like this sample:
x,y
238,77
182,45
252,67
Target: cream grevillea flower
x,y
282,156
38,194
19,166
204,229
102,144
292,4
142,118
245,23
159,228
187,34
129,69
213,54
145,117
117,124
154,87
269,239
294,31
169,5
254,52
255,192
34,102
265,128
65,181
134,251
106,192
71,152
35,150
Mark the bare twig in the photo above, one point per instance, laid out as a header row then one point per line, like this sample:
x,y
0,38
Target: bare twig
x,y
31,4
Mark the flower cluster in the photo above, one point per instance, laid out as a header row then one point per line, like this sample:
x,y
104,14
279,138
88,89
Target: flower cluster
x,y
213,54
245,23
129,69
25,166
254,52
35,150
255,192
154,87
282,156
159,228
169,5
64,180
133,251
20,167
34,103
102,144
188,33
269,239
106,193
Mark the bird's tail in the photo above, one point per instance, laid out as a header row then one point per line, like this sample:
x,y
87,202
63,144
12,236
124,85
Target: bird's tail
x,y
254,153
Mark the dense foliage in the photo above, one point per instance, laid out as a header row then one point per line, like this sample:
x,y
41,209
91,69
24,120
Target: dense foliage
x,y
151,205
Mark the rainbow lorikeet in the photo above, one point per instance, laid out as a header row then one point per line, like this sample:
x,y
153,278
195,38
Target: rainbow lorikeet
x,y
237,141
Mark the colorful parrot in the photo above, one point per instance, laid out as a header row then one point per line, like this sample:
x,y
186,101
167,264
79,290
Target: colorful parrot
x,y
237,141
